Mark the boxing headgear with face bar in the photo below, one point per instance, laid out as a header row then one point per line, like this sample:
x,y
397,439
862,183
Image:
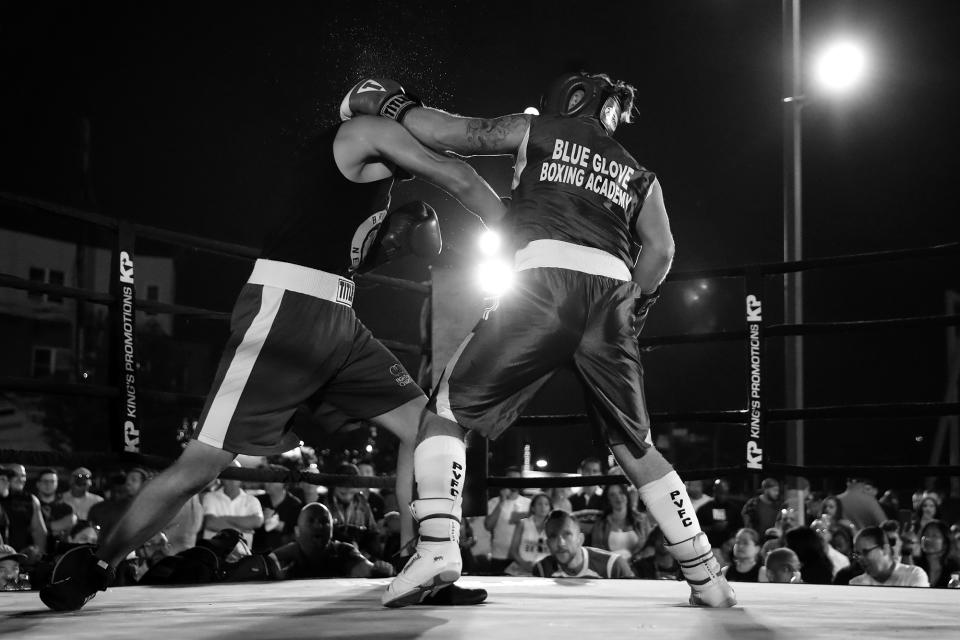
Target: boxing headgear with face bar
x,y
575,95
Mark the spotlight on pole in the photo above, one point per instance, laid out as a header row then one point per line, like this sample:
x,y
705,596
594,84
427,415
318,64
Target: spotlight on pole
x,y
841,66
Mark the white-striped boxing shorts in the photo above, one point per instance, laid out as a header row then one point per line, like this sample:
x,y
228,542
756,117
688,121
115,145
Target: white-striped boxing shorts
x,y
294,338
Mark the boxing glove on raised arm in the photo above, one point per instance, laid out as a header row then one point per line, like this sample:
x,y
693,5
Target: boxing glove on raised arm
x,y
377,97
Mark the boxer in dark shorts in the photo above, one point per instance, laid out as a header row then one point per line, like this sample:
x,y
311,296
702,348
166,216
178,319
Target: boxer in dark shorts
x,y
294,336
580,203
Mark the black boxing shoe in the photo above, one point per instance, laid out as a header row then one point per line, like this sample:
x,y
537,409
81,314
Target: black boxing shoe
x,y
454,596
75,579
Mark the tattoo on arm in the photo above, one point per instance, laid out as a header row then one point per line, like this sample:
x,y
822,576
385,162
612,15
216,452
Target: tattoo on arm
x,y
492,135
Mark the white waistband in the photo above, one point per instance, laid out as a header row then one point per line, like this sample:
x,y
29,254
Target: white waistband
x,y
311,282
565,255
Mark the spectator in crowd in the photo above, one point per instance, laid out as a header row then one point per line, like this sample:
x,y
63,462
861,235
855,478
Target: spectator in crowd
x,y
58,516
307,492
697,497
760,512
10,562
353,519
374,499
936,559
79,496
783,567
588,497
831,512
280,513
841,539
84,532
123,488
230,507
837,560
503,514
622,529
27,530
182,531
560,498
529,544
860,504
880,568
315,554
745,566
720,519
570,559
955,534
815,565
927,511
890,504
5,476
891,529
656,562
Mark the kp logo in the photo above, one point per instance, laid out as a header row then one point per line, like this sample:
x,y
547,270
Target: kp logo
x,y
400,375
126,268
370,85
753,309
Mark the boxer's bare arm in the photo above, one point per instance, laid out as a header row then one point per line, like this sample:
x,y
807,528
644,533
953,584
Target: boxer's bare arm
x,y
383,141
653,230
467,136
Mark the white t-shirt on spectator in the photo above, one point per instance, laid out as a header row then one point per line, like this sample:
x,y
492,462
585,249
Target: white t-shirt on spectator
x,y
903,575
502,534
217,503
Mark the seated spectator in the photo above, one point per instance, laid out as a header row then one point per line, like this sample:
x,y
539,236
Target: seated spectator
x,y
84,532
503,514
831,512
560,498
58,516
588,497
783,567
815,565
570,559
955,534
27,530
936,559
621,529
881,569
374,499
837,560
353,519
230,507
927,511
745,566
841,539
891,529
697,497
79,496
761,511
720,519
183,529
909,546
280,512
529,544
656,562
890,504
123,488
10,562
315,554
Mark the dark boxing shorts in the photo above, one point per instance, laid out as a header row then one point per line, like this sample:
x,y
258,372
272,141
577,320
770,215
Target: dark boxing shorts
x,y
294,337
552,317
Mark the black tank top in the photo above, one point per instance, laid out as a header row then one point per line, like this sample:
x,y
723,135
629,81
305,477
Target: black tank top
x,y
318,212
575,183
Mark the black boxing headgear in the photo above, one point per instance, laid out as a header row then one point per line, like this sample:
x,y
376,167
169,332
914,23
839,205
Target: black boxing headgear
x,y
576,95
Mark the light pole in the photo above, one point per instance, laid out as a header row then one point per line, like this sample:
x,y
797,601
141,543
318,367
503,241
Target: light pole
x,y
839,67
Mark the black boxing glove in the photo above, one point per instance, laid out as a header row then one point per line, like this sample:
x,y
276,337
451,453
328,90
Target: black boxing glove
x,y
412,228
641,309
377,97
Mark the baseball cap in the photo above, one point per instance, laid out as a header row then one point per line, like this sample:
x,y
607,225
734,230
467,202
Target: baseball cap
x,y
9,553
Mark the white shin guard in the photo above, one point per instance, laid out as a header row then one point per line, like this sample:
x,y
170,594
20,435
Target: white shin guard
x,y
439,464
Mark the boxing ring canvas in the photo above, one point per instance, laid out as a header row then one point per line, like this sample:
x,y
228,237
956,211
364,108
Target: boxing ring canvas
x,y
517,609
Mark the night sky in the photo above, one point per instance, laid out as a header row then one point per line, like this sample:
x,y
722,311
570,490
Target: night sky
x,y
193,111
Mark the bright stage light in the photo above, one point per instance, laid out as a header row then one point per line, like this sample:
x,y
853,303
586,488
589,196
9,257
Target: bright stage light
x,y
489,242
533,111
495,276
541,464
841,66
